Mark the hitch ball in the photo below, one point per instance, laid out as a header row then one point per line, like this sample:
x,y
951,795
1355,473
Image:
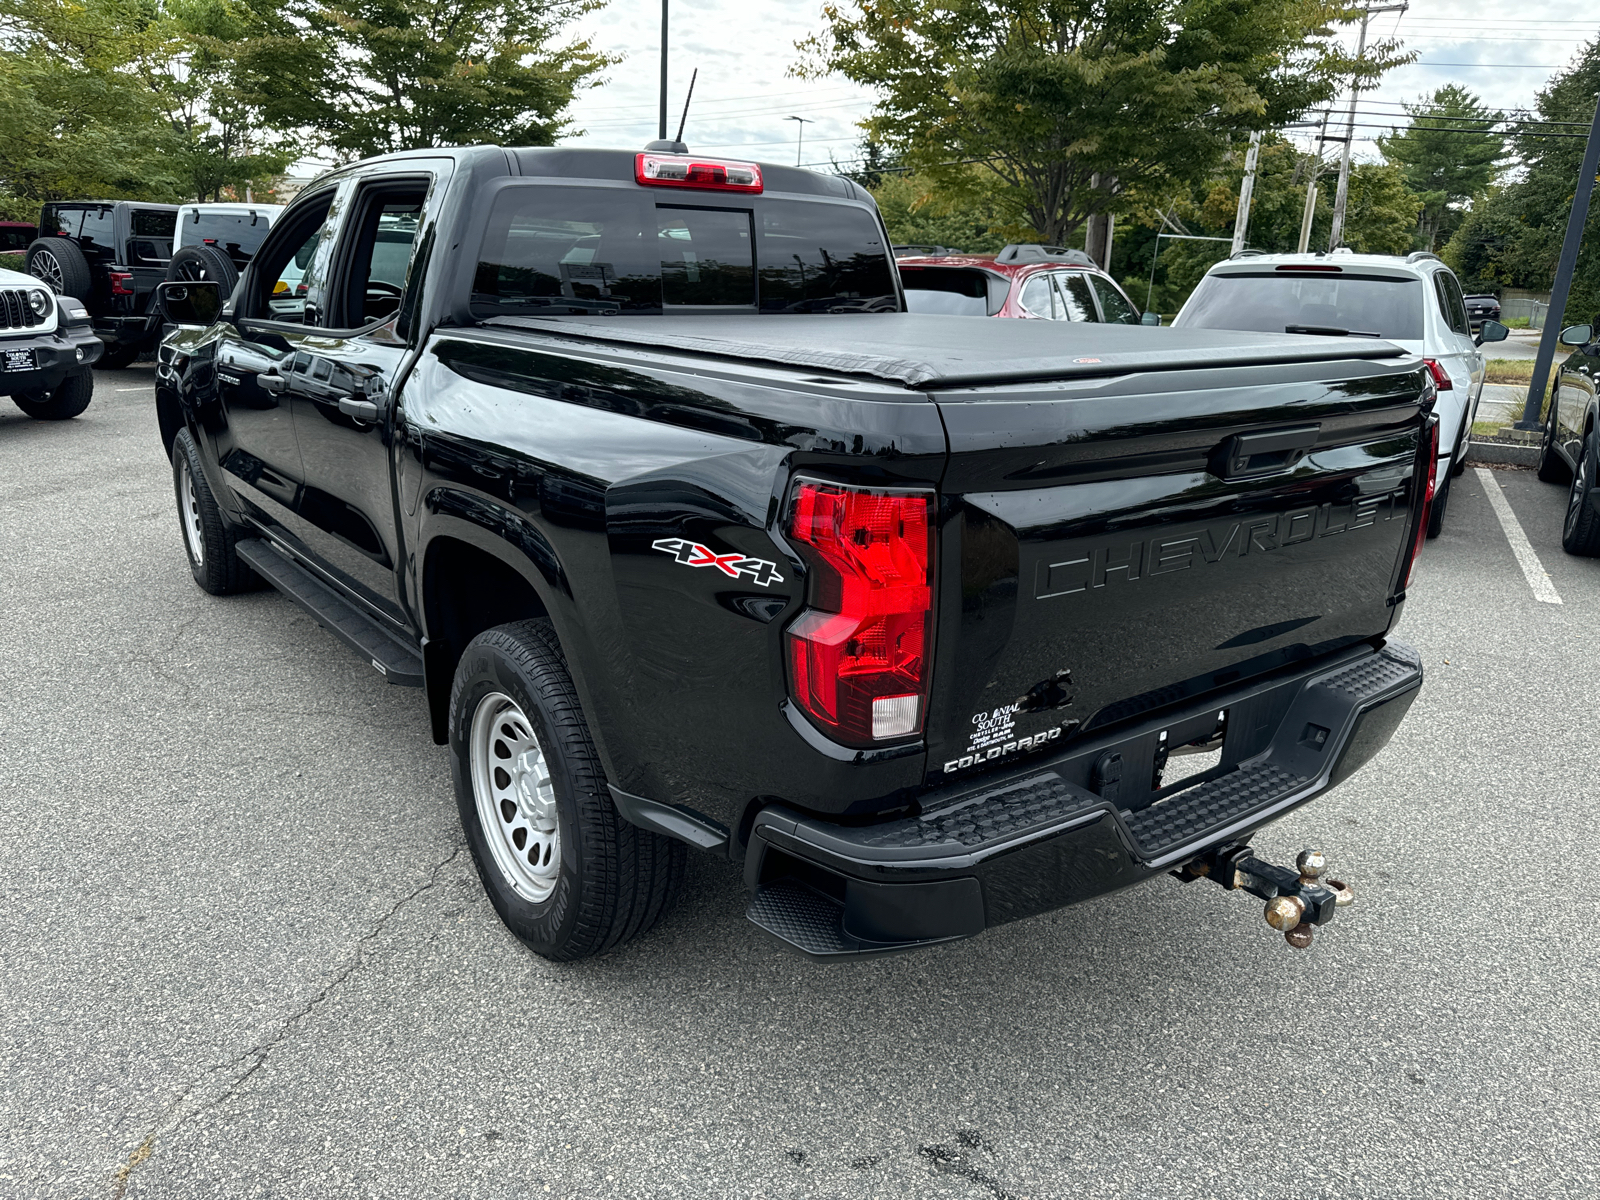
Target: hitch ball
x,y
1312,863
1284,912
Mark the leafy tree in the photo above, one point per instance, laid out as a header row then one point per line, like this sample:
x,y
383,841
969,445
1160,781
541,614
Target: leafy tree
x,y
1512,237
1438,161
1075,107
918,214
397,74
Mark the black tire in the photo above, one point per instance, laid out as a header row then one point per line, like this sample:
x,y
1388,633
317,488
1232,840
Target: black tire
x,y
60,266
1552,467
1580,530
1441,500
1458,461
203,262
116,357
71,397
208,537
612,881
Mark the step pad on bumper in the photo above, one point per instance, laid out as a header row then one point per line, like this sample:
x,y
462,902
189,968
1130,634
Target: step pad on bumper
x,y
387,654
1186,815
801,917
990,816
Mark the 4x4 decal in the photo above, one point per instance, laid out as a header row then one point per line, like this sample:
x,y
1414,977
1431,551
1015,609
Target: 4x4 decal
x,y
693,554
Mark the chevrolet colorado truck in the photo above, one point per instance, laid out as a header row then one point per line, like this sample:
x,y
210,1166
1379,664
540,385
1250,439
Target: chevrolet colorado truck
x,y
47,347
692,536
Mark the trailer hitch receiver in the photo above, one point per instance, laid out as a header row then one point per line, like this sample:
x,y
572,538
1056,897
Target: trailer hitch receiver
x,y
1297,899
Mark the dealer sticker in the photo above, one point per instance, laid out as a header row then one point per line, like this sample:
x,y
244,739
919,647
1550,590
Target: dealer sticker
x,y
18,360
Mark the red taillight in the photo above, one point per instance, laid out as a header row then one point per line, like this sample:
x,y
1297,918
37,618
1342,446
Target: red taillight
x,y
121,283
858,655
682,170
1441,381
1430,443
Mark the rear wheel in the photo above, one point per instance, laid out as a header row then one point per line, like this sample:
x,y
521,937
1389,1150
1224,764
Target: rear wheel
x,y
1552,467
208,538
1580,532
60,265
1441,498
71,397
567,874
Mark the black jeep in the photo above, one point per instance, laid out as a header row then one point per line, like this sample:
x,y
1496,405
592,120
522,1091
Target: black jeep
x,y
110,254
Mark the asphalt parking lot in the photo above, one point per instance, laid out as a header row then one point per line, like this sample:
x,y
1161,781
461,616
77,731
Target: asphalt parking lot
x,y
243,951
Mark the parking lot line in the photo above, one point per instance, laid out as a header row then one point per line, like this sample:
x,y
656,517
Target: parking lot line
x,y
144,388
1532,568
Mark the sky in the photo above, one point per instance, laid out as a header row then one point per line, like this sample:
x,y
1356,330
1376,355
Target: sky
x,y
744,50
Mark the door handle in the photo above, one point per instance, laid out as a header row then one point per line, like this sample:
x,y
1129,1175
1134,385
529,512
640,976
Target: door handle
x,y
271,381
361,410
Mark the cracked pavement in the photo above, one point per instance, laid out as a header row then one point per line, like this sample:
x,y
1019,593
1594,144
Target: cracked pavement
x,y
243,953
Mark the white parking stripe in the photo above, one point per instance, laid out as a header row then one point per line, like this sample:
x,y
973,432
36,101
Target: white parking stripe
x,y
145,388
1532,568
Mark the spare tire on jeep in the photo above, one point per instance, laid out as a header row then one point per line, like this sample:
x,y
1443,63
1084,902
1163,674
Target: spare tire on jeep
x,y
60,266
203,262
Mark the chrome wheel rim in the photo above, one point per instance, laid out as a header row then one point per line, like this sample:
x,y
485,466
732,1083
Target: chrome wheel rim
x,y
189,514
47,270
1580,489
515,797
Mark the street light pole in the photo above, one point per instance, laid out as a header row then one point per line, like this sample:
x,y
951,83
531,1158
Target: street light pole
x,y
800,140
662,134
1563,280
1350,131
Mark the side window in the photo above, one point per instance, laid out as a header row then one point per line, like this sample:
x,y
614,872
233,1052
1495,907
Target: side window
x,y
1459,321
1039,298
287,283
381,237
1077,303
1113,304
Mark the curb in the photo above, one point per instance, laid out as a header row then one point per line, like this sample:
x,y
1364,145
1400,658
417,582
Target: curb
x,y
1502,454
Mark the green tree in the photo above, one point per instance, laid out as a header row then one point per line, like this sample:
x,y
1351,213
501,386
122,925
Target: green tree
x,y
1075,107
1513,235
1440,162
919,214
397,74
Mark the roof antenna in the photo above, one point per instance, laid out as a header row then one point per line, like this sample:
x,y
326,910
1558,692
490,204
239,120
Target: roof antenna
x,y
676,146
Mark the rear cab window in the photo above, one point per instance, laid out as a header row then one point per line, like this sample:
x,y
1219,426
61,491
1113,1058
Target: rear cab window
x,y
1346,302
551,250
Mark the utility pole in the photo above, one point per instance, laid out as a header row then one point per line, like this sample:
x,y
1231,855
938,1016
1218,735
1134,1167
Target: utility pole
x,y
1311,191
1350,132
663,130
1563,283
1241,222
801,140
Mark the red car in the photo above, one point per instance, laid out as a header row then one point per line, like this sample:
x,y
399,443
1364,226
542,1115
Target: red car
x,y
15,236
1042,282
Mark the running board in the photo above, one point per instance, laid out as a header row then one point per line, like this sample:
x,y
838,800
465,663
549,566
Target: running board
x,y
391,657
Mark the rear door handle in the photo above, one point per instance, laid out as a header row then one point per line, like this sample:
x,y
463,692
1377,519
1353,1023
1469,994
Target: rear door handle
x,y
1271,450
361,410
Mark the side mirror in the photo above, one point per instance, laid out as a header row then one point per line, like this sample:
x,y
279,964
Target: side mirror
x,y
1577,335
1150,318
1491,331
185,303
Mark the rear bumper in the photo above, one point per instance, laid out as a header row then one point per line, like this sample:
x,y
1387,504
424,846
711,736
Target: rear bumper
x,y
56,354
1057,833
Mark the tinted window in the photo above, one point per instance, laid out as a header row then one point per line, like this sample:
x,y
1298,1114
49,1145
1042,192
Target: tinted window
x,y
15,239
99,228
707,257
949,291
1382,305
240,234
1113,303
1076,304
152,232
1451,303
560,250
62,222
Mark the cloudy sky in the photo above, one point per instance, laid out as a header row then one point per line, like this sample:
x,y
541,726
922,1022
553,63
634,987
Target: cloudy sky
x,y
744,49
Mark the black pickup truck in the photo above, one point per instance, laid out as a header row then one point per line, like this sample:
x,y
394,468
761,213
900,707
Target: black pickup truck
x,y
692,536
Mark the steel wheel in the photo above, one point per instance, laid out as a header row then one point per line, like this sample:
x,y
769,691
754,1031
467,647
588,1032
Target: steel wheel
x,y
515,797
189,515
46,268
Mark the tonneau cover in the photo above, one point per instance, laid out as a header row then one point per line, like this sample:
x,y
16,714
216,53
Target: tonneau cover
x,y
926,351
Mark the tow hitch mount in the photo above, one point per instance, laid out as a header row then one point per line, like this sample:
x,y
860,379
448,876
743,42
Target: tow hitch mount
x,y
1296,899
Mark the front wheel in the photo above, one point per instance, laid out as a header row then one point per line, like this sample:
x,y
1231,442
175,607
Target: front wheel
x,y
1580,532
567,874
1552,467
208,537
70,397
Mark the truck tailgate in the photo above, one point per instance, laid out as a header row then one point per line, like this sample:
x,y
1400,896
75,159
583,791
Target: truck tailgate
x,y
1131,541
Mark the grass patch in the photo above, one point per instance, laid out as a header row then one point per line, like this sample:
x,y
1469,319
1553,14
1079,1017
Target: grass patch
x,y
1514,322
1508,370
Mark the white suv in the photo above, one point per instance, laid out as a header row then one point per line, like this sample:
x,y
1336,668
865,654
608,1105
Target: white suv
x,y
1414,302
